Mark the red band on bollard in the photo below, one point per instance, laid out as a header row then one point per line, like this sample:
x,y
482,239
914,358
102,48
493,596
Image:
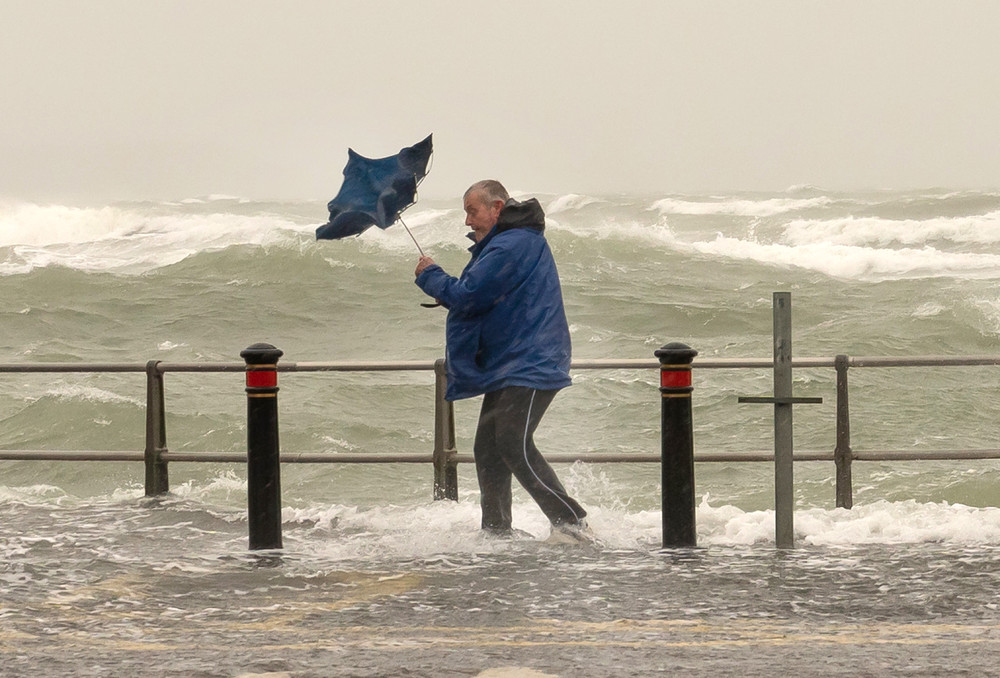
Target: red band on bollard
x,y
675,378
262,378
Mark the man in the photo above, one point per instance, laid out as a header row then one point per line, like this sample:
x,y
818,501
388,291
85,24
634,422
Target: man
x,y
507,339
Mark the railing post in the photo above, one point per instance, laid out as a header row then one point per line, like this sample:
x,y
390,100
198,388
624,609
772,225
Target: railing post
x,y
157,478
677,445
784,487
445,466
783,400
263,462
842,454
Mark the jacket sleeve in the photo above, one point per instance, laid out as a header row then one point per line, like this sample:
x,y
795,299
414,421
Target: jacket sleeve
x,y
486,281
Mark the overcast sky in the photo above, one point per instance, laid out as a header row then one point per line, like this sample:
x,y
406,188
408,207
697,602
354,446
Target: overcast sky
x,y
136,99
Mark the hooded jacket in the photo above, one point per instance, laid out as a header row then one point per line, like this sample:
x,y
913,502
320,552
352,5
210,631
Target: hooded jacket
x,y
506,321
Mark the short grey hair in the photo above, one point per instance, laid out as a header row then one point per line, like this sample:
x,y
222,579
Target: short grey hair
x,y
489,189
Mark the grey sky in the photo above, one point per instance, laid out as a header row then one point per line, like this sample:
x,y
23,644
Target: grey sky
x,y
138,99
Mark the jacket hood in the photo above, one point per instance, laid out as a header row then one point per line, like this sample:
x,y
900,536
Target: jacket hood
x,y
527,214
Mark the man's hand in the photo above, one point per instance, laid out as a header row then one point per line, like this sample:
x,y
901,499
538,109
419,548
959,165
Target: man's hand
x,y
423,263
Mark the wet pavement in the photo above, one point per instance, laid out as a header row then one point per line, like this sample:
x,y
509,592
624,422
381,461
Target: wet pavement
x,y
877,611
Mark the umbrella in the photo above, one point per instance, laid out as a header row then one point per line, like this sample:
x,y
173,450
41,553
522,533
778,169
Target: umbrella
x,y
375,191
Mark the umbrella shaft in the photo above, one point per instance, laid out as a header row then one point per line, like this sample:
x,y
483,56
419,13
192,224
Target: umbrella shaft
x,y
411,236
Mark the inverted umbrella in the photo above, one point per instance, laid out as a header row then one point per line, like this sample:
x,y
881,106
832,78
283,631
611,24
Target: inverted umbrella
x,y
376,191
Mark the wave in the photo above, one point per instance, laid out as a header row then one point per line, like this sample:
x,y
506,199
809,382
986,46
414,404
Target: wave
x,y
447,527
568,202
36,225
75,392
882,522
855,262
135,239
126,240
768,207
980,230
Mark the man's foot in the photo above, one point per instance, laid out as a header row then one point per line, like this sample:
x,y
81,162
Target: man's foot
x,y
571,533
511,533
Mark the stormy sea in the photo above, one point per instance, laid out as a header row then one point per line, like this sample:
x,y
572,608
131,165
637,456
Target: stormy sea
x,y
376,577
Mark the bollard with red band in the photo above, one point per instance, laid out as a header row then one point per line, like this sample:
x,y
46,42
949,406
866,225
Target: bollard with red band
x,y
262,376
675,376
677,445
263,462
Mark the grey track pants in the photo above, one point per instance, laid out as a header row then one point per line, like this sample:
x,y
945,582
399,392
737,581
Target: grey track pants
x,y
504,448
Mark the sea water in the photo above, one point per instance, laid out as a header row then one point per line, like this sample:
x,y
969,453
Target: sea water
x,y
376,578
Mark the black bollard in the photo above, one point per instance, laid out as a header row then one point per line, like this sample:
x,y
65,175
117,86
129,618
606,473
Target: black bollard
x,y
677,445
263,464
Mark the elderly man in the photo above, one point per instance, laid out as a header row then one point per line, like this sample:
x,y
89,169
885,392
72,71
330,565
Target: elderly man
x,y
507,339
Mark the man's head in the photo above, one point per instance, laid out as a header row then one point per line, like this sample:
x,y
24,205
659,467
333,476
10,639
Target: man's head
x,y
483,202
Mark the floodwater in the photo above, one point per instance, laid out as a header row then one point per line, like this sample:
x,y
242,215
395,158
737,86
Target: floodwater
x,y
167,588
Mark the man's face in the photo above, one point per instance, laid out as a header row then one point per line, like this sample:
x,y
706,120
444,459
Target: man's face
x,y
481,216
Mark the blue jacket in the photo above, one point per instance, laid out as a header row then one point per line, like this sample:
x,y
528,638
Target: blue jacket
x,y
506,322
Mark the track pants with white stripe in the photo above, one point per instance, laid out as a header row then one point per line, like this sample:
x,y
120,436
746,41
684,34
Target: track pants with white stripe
x,y
504,448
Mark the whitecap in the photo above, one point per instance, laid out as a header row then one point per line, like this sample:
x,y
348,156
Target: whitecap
x,y
169,345
92,394
929,310
738,207
882,522
875,231
854,262
571,201
127,239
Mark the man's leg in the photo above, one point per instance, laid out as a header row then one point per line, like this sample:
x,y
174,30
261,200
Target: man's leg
x,y
517,413
491,469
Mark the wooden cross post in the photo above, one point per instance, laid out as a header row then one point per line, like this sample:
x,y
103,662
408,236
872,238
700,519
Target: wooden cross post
x,y
784,491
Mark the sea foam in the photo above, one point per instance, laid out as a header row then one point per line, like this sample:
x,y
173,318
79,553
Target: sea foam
x,y
739,207
126,239
856,262
880,232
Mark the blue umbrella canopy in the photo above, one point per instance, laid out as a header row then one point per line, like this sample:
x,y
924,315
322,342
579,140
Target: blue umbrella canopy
x,y
376,191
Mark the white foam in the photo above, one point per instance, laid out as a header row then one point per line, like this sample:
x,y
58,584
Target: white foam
x,y
434,529
92,394
571,201
855,262
767,207
883,522
929,310
33,494
37,225
990,311
872,231
130,240
219,489
169,345
452,527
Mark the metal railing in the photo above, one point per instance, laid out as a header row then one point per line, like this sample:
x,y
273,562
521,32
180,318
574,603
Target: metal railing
x,y
445,457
